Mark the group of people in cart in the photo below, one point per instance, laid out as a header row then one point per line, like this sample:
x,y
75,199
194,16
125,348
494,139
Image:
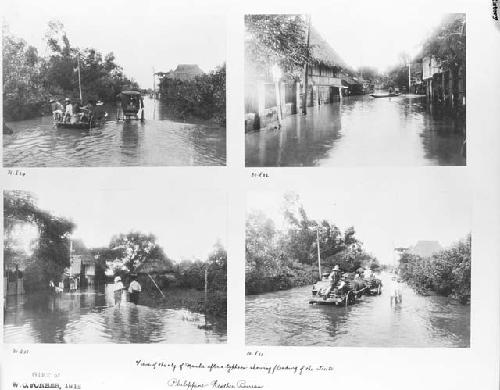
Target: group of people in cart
x,y
73,112
361,282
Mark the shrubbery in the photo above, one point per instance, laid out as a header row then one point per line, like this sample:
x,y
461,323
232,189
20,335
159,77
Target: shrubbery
x,y
203,97
447,273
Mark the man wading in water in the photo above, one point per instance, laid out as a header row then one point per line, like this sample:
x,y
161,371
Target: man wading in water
x,y
117,290
134,289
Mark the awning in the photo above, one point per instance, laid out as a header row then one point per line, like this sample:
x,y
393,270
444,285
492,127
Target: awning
x,y
332,82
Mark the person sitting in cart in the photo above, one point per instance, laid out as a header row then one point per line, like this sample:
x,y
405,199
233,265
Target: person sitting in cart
x,y
88,111
343,286
57,109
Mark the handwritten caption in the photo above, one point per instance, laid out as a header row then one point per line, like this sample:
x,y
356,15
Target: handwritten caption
x,y
16,172
259,175
191,370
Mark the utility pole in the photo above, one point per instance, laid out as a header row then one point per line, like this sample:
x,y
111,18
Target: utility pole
x,y
319,252
154,82
409,75
79,79
306,67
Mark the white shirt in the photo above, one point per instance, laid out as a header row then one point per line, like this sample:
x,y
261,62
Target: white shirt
x,y
134,286
118,286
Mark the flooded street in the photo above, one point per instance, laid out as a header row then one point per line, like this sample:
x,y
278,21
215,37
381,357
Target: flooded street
x,y
361,130
158,141
90,317
286,318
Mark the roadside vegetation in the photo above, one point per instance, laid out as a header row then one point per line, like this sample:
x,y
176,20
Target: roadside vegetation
x,y
445,273
282,259
30,80
203,97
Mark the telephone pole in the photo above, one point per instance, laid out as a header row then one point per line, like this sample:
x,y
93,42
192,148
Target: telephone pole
x,y
306,67
319,251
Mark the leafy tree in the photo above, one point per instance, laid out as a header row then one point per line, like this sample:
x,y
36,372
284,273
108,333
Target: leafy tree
x,y
276,39
30,80
51,255
22,81
368,73
447,43
134,249
283,259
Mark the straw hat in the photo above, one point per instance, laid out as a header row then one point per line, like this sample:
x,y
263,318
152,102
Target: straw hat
x,y
118,279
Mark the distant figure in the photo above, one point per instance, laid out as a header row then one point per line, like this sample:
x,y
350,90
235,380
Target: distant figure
x,y
73,284
99,112
134,289
396,295
117,290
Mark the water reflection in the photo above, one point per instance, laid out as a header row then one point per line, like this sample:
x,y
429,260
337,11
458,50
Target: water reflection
x,y
91,317
162,141
361,131
286,318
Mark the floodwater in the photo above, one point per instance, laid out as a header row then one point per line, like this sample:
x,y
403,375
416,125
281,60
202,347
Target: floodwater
x,y
158,141
286,318
91,317
361,130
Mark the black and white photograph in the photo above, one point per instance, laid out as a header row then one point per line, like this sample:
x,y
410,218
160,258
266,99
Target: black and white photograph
x,y
112,85
379,87
114,267
343,267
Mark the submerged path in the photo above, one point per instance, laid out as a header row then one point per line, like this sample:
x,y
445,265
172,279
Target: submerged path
x,y
361,130
286,318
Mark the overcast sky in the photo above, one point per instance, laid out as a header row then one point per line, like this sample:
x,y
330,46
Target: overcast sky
x,y
142,35
386,212
374,34
184,226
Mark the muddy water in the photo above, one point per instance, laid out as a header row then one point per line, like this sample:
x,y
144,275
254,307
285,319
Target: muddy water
x,y
160,140
286,318
92,317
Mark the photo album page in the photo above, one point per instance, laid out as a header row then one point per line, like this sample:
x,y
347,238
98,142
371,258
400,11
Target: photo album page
x,y
217,194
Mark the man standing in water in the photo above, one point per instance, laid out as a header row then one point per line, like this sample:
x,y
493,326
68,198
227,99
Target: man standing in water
x,y
134,289
118,289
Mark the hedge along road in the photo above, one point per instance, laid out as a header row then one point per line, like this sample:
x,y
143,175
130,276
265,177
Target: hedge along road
x,y
286,318
159,141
